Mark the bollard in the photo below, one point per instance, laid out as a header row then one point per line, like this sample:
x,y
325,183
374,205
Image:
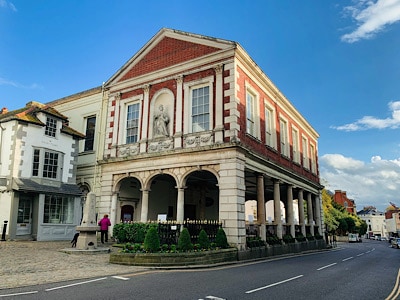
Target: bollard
x,y
3,236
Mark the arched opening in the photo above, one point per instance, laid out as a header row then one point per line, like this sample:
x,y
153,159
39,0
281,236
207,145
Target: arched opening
x,y
162,198
127,213
129,195
201,196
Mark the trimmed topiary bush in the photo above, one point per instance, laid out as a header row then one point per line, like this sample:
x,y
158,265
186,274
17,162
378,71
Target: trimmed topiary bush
x,y
203,241
220,239
184,242
288,239
151,241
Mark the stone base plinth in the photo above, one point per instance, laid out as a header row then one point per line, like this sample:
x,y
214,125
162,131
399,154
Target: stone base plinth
x,y
87,239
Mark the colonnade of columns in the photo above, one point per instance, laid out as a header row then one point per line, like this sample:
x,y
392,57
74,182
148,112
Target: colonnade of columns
x,y
312,206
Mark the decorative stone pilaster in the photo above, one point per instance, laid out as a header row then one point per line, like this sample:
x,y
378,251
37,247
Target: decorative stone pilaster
x,y
180,209
145,119
219,105
178,113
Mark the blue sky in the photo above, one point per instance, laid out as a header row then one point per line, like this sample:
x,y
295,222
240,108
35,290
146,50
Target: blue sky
x,y
338,62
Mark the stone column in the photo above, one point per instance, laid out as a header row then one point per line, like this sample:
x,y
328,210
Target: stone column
x,y
310,213
301,213
145,206
290,213
277,209
318,216
145,119
178,114
180,206
261,207
219,105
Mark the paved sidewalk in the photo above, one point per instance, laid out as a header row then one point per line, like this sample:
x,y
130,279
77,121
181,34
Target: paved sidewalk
x,y
24,263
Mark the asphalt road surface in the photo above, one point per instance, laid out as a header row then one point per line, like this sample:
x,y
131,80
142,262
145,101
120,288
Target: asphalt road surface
x,y
368,270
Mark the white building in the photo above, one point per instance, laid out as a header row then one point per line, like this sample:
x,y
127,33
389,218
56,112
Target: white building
x,y
376,225
38,156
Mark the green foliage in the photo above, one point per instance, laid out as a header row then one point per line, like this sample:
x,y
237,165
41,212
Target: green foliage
x,y
310,237
253,242
203,240
220,239
300,237
273,240
132,248
184,242
151,241
287,238
131,232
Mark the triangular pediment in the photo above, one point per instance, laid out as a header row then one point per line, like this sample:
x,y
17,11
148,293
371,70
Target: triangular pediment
x,y
166,49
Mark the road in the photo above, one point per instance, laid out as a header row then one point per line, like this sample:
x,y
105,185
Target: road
x,y
368,270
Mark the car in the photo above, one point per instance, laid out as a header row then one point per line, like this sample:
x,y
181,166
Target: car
x,y
396,243
384,238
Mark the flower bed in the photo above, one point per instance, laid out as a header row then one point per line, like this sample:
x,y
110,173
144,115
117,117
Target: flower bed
x,y
175,259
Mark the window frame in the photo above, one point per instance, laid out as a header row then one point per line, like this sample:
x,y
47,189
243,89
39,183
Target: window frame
x,y
254,111
88,136
40,168
188,88
270,124
313,158
304,151
51,126
205,113
284,136
63,209
296,145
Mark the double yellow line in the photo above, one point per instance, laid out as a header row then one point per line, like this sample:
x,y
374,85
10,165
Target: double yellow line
x,y
396,290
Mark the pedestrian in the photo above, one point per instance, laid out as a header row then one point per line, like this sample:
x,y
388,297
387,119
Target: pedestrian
x,y
104,223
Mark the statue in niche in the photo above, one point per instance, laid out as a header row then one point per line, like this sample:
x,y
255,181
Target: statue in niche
x,y
161,121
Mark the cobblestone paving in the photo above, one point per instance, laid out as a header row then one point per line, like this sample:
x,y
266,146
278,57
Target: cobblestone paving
x,y
24,263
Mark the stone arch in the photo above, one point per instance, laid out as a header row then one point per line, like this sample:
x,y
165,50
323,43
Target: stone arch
x,y
128,193
201,194
162,114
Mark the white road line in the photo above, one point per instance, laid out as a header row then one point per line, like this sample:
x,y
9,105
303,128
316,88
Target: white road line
x,y
215,298
18,294
327,266
74,284
273,284
347,258
120,277
361,254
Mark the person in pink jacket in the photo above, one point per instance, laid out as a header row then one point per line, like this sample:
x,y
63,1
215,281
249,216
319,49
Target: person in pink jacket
x,y
104,223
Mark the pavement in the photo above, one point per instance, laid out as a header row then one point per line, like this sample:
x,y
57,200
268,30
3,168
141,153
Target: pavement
x,y
26,263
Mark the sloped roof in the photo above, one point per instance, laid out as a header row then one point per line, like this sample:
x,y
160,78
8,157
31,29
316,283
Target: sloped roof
x,y
29,114
161,52
28,185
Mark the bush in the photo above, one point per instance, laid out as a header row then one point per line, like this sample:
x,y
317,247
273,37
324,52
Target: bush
x,y
300,237
204,241
288,239
253,242
221,240
310,237
273,240
184,242
151,241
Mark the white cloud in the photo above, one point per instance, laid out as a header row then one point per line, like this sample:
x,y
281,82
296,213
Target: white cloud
x,y
4,81
369,122
7,4
371,18
375,183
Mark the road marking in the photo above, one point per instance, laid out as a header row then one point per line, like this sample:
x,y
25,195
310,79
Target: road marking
x,y
215,298
120,277
348,258
74,284
18,294
393,295
361,254
273,284
327,266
